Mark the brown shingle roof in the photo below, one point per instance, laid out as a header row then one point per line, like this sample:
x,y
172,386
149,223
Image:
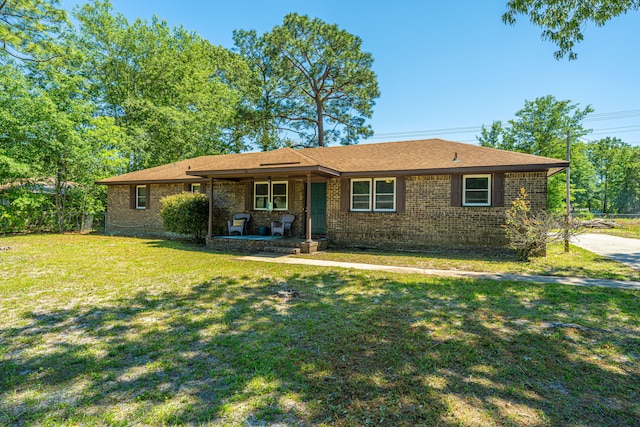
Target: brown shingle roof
x,y
419,157
422,155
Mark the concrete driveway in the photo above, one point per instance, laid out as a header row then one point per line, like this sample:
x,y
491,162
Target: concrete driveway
x,y
621,249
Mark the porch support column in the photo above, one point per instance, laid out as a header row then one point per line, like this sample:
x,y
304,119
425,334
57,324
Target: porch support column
x,y
210,232
308,209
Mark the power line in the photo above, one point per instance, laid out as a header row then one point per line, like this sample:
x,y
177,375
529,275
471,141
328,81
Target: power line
x,y
616,115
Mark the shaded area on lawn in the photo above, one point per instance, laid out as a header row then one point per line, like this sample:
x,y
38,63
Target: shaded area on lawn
x,y
339,348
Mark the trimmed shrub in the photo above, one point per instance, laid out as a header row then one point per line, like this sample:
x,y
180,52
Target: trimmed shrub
x,y
186,213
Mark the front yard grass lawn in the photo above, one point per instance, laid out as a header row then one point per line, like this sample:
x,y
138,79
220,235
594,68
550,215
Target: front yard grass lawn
x,y
103,330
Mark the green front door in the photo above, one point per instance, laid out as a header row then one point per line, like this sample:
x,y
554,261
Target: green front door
x,y
318,208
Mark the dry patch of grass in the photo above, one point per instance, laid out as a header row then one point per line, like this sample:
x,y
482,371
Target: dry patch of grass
x,y
116,331
578,262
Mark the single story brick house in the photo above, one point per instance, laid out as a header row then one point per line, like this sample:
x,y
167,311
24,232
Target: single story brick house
x,y
409,194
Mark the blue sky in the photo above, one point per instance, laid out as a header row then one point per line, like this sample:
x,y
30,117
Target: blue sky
x,y
445,68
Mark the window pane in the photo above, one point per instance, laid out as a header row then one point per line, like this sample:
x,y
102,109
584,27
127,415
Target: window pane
x,y
361,202
195,188
384,201
481,183
384,187
262,189
279,190
361,187
476,196
261,202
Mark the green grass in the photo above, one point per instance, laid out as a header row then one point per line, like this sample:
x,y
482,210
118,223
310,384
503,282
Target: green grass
x,y
578,262
626,228
115,331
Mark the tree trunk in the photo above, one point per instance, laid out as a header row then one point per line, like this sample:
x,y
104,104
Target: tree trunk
x,y
320,121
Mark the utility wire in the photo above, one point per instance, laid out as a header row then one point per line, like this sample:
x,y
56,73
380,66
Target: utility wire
x,y
626,114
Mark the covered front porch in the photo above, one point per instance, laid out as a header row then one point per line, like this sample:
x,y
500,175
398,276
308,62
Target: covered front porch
x,y
266,187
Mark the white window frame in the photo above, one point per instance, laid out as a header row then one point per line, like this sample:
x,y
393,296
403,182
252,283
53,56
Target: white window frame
x,y
464,190
269,195
194,186
286,195
373,194
368,209
138,187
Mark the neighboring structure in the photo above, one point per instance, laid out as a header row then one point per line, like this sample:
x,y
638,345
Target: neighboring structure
x,y
411,194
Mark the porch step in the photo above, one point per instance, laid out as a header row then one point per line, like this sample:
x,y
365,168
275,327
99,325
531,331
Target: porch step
x,y
282,250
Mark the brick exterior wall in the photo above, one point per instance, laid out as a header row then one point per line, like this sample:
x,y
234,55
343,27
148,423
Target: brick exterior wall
x,y
123,220
429,219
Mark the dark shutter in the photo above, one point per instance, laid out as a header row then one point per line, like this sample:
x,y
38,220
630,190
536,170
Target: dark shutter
x,y
456,190
203,188
497,190
132,197
248,196
401,198
187,186
148,196
344,195
290,198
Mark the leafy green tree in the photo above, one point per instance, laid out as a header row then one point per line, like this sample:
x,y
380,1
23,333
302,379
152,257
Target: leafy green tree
x,y
175,94
57,141
541,128
324,82
605,155
15,112
47,117
563,21
265,113
28,28
627,184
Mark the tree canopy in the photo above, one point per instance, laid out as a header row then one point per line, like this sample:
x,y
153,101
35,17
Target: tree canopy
x,y
174,93
605,174
563,21
315,80
28,28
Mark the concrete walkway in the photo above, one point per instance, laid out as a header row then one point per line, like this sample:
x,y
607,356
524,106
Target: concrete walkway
x,y
576,281
621,249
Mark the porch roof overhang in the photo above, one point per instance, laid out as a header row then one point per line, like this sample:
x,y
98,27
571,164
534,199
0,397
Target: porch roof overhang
x,y
273,170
